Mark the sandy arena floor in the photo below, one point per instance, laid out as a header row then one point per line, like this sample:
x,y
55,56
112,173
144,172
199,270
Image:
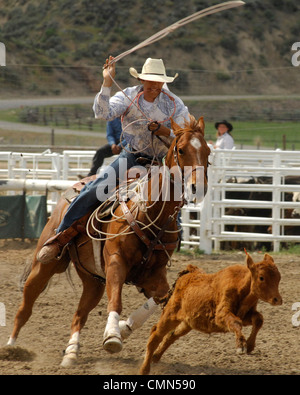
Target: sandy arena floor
x,y
40,346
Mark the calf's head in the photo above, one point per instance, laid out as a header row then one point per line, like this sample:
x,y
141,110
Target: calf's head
x,y
265,278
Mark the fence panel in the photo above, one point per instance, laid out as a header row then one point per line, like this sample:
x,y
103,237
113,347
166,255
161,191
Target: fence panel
x,y
250,199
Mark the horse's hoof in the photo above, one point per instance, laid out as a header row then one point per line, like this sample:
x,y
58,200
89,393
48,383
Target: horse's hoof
x,y
11,341
124,330
69,361
113,345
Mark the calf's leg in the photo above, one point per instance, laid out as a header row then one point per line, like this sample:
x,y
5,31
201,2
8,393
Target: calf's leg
x,y
182,329
226,319
158,332
256,320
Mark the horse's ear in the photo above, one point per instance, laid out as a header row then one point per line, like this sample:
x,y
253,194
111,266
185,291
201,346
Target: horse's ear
x,y
175,126
201,124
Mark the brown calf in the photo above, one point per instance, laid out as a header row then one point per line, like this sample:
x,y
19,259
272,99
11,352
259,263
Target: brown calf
x,y
220,302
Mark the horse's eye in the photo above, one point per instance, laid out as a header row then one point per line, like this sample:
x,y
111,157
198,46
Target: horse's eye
x,y
261,278
180,151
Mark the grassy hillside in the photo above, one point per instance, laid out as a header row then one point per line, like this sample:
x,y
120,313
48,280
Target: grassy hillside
x,y
57,47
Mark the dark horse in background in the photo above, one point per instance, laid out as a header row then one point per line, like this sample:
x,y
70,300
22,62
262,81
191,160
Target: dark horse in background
x,y
138,257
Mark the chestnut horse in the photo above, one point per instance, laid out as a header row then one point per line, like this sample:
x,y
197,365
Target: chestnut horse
x,y
138,256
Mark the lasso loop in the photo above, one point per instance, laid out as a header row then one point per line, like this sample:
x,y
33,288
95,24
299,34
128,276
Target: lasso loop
x,y
170,29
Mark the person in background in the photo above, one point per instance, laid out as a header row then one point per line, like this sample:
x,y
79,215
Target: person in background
x,y
113,146
224,138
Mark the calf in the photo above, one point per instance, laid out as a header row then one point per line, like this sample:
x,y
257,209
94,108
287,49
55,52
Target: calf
x,y
220,302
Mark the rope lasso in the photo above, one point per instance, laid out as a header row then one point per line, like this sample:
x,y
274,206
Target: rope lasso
x,y
163,33
191,18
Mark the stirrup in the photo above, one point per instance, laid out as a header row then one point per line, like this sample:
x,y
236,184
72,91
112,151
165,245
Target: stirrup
x,y
59,257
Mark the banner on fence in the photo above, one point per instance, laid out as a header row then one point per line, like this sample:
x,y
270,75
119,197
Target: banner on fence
x,y
22,216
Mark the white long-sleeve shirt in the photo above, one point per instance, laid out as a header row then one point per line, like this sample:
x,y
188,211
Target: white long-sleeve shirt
x,y
225,141
135,129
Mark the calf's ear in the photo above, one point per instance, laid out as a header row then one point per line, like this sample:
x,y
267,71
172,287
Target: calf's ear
x,y
250,262
268,257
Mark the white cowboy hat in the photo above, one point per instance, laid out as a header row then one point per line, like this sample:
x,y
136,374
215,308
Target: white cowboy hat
x,y
153,70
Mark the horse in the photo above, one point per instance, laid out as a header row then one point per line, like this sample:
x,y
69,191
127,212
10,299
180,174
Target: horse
x,y
137,245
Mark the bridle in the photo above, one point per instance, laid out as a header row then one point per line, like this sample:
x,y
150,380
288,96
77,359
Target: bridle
x,y
175,155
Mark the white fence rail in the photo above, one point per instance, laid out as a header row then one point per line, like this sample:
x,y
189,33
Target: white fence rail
x,y
223,216
46,165
267,206
43,167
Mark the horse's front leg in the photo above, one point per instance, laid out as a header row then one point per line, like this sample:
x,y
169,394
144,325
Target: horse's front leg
x,y
115,278
156,286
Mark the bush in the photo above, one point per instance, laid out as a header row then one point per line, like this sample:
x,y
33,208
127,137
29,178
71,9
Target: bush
x,y
230,43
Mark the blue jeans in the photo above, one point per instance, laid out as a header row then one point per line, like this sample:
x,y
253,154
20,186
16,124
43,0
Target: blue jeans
x,y
97,191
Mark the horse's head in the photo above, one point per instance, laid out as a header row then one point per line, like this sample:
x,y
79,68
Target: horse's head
x,y
189,151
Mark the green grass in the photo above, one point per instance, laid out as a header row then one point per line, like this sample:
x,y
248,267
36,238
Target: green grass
x,y
73,117
30,139
293,249
262,134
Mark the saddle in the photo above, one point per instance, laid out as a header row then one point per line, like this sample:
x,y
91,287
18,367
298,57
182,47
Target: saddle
x,y
75,190
152,244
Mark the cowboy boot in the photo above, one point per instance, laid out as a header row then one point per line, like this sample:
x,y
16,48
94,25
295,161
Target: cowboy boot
x,y
53,247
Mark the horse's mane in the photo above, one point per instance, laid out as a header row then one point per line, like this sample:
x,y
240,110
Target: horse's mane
x,y
190,126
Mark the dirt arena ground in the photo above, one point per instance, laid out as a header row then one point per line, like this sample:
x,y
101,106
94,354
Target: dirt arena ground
x,y
40,346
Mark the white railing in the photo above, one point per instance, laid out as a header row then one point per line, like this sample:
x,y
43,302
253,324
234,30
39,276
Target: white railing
x,y
42,167
277,172
218,219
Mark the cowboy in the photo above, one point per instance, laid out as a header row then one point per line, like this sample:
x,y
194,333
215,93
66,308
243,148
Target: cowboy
x,y
224,138
146,110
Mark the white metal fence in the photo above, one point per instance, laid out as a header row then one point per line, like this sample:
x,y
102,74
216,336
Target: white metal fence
x,y
46,165
223,216
42,167
268,180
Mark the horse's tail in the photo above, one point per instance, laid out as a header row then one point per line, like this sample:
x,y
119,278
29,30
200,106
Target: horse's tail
x,y
27,270
25,274
165,299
